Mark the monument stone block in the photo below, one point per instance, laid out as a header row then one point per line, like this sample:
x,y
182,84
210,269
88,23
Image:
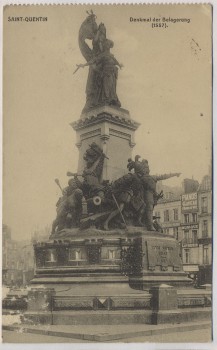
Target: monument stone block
x,y
164,297
40,299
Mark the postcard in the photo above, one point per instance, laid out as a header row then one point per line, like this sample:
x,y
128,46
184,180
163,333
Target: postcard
x,y
107,174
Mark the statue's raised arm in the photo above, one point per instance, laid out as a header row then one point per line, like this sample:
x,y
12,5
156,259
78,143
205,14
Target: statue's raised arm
x,y
98,59
166,176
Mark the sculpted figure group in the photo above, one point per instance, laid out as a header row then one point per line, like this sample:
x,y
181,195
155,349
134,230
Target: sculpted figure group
x,y
103,66
88,201
92,202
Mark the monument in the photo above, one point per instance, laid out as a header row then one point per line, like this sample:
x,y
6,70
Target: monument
x,y
105,251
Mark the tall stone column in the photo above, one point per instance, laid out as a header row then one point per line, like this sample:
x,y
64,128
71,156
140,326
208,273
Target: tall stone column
x,y
113,130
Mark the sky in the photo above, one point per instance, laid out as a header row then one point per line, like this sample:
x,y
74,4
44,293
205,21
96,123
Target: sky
x,y
165,84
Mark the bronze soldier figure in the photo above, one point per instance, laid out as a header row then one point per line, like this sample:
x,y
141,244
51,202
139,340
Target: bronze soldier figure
x,y
150,195
69,207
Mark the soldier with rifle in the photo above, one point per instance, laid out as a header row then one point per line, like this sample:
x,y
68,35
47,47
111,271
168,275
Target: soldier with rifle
x,y
69,206
150,195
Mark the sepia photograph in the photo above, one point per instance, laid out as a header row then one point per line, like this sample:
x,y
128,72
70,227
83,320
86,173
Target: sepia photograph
x,y
107,174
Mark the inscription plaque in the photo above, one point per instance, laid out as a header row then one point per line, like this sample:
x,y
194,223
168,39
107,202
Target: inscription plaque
x,y
163,254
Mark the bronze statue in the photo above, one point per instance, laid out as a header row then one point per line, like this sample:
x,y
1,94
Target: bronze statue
x,y
127,195
151,196
92,174
128,201
103,66
69,207
149,182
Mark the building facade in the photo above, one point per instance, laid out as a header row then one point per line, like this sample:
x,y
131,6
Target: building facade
x,y
205,230
190,227
17,260
168,214
188,217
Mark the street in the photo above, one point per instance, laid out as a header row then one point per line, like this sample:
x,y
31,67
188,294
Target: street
x,y
197,336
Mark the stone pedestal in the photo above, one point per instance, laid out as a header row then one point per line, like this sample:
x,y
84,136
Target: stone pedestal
x,y
112,277
113,130
108,270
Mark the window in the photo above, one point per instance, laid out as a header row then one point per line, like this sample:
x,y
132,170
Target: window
x,y
194,217
166,231
167,195
176,233
205,228
207,183
157,215
194,236
175,214
205,255
204,205
166,215
186,236
186,218
187,256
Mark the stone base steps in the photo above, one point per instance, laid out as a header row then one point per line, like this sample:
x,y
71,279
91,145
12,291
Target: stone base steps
x,y
118,317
